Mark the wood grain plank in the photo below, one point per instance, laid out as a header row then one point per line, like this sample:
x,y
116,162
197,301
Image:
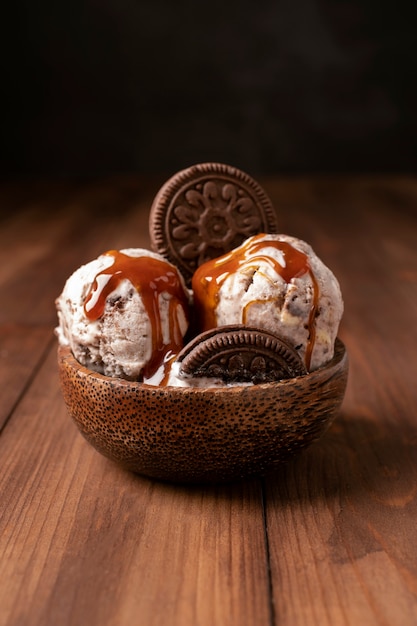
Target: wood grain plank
x,y
82,541
341,518
342,531
21,350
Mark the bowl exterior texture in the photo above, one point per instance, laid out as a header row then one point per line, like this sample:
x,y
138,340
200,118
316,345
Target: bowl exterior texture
x,y
202,435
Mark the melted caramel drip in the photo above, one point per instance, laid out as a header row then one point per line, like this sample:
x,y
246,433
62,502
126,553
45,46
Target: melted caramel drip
x,y
210,276
150,277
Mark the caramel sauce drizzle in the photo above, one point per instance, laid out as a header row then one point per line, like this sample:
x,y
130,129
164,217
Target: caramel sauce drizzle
x,y
150,277
210,276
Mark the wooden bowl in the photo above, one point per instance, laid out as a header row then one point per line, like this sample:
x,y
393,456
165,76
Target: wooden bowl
x,y
202,435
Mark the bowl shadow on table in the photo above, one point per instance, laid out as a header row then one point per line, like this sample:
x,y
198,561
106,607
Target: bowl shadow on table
x,y
362,471
359,453
362,478
358,460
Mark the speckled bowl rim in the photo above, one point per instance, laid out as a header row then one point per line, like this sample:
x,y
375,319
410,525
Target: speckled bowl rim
x,y
330,368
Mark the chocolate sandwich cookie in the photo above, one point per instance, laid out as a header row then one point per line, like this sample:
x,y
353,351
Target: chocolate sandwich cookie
x,y
205,211
240,354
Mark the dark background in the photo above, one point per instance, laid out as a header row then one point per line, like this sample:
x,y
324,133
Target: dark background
x,y
107,86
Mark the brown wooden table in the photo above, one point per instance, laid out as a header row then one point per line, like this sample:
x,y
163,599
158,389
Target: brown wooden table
x,y
330,539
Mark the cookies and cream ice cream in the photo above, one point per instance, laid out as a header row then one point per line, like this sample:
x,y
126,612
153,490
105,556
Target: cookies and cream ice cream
x,y
276,283
124,314
135,314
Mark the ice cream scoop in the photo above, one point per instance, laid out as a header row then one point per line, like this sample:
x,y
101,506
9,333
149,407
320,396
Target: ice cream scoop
x,y
124,314
276,283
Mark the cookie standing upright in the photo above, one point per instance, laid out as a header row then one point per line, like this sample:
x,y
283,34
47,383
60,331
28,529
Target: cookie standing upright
x,y
205,211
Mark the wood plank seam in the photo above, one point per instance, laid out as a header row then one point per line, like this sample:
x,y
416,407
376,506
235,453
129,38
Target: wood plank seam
x,y
272,616
28,383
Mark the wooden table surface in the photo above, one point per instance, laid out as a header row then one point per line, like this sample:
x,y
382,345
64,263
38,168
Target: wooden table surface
x,y
329,539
